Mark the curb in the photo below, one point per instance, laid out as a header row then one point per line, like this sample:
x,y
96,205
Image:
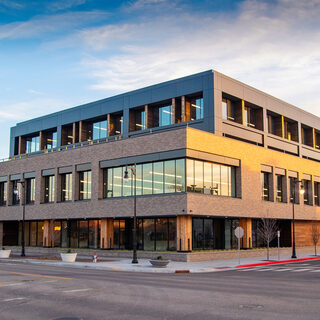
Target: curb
x,y
275,262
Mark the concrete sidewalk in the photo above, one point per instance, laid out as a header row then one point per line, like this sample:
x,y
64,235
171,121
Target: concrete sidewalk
x,y
144,265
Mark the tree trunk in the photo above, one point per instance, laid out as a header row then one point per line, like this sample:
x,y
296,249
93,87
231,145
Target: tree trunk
x,y
268,251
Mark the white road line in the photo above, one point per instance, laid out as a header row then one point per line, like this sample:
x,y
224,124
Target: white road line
x,y
76,290
315,271
300,270
265,269
285,269
11,284
13,299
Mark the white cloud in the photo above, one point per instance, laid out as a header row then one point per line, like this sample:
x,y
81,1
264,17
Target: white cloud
x,y
28,109
11,4
143,3
273,46
41,25
65,4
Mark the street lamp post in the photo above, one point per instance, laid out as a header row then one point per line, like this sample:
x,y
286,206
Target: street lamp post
x,y
23,185
301,191
134,231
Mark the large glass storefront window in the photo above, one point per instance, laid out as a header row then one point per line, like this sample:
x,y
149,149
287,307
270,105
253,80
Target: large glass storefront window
x,y
66,187
213,233
57,234
211,178
85,185
152,234
151,178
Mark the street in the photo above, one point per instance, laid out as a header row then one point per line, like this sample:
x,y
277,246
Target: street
x,y
29,291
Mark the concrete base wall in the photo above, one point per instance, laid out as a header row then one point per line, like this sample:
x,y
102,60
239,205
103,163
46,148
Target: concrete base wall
x,y
174,256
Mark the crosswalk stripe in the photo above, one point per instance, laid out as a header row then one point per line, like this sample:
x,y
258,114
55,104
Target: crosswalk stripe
x,y
300,270
280,270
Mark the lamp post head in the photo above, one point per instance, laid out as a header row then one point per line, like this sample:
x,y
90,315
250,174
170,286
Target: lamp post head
x,y
126,176
302,191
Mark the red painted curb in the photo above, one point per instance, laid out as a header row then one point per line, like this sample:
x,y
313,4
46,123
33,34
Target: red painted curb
x,y
275,262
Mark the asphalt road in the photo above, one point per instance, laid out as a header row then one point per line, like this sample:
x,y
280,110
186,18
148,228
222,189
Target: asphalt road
x,y
29,291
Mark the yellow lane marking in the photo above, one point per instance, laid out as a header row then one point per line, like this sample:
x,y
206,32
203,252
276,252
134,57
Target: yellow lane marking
x,y
39,275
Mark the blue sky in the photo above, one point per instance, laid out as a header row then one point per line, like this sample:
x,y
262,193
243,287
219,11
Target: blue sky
x,y
59,54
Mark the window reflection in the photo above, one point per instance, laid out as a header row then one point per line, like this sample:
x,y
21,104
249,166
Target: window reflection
x,y
49,189
210,178
85,185
151,178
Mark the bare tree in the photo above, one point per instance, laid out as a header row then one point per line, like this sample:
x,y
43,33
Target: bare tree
x,y
315,234
267,231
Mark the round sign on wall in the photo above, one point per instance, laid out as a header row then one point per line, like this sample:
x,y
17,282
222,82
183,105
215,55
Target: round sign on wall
x,y
239,232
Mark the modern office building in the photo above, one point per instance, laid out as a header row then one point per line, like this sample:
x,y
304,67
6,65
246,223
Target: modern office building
x,y
210,152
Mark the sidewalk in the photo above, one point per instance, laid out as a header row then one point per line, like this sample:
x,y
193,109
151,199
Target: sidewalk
x,y
144,265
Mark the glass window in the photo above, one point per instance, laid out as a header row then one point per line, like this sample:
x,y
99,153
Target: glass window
x,y
33,233
94,235
279,180
3,193
51,140
49,182
162,234
117,182
65,234
66,187
216,179
207,180
139,179
307,190
225,180
172,234
40,234
294,194
265,186
138,116
128,183
165,116
85,185
190,175
149,234
16,192
169,176
197,230
73,225
211,178
100,129
57,234
31,190
208,242
83,234
158,177
147,178
32,144
198,176
180,175
317,193
196,109
228,110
